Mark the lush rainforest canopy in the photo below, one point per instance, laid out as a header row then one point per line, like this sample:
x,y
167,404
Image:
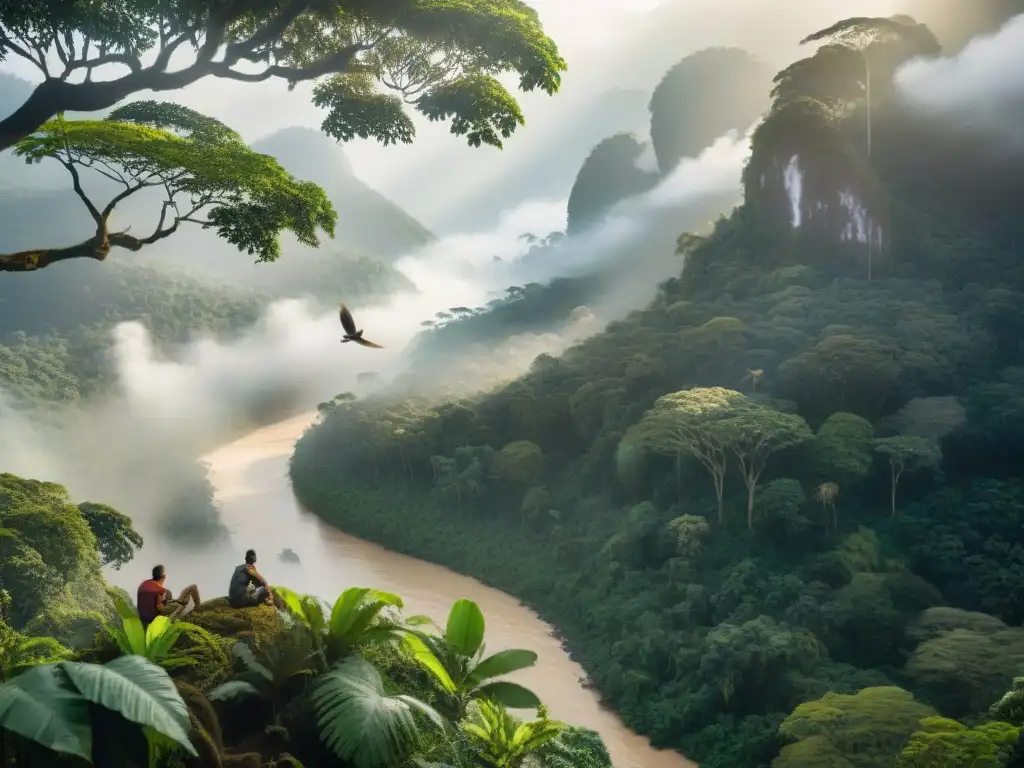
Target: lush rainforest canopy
x,y
439,58
775,513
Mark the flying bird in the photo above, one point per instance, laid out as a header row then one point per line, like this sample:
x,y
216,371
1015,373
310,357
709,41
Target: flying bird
x,y
351,334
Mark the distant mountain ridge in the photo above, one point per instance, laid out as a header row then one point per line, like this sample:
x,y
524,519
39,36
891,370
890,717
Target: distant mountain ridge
x,y
308,154
39,209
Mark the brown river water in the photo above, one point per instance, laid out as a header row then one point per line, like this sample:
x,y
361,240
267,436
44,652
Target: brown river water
x,y
250,476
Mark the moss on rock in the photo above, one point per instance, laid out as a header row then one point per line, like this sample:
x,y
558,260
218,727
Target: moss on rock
x,y
256,624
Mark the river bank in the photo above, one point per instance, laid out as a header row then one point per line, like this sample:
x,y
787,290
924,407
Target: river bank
x,y
258,507
478,548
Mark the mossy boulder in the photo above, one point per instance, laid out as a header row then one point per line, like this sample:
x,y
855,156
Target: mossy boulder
x,y
256,624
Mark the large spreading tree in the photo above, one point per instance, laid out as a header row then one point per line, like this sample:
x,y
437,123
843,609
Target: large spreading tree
x,y
373,59
204,172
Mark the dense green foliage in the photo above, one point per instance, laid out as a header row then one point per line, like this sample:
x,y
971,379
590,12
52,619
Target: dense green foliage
x,y
852,598
439,58
83,682
207,176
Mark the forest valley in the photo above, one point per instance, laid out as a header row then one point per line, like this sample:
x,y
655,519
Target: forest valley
x,y
352,682
312,684
776,514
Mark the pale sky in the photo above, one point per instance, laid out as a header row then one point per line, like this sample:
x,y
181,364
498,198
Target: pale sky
x,y
607,44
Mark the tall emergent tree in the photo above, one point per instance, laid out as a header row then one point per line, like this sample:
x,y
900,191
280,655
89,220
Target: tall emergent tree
x,y
907,453
439,57
754,434
861,34
687,423
204,171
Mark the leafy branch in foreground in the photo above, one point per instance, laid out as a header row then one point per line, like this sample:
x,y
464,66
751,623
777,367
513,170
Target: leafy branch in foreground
x,y
204,171
439,57
49,704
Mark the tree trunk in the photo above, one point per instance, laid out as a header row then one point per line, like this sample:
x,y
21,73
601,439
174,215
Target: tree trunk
x,y
867,89
895,481
751,484
679,476
719,492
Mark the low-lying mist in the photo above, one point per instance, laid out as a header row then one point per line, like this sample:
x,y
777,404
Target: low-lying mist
x,y
124,448
980,89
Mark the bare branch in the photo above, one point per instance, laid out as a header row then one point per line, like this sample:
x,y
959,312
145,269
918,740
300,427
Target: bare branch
x,y
111,172
131,190
69,163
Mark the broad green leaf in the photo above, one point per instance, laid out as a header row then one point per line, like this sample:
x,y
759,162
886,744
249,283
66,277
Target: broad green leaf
x,y
293,600
465,629
387,598
40,706
423,708
130,636
138,690
161,636
125,609
364,617
382,633
344,611
359,723
419,620
503,663
426,658
511,695
314,611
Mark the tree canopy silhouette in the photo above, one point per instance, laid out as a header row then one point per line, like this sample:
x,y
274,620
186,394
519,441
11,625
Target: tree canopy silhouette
x,y
207,174
440,58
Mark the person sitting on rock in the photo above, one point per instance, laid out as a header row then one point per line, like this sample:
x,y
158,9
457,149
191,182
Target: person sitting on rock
x,y
154,599
239,594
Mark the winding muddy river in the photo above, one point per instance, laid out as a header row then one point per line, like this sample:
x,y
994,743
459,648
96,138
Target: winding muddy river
x,y
250,476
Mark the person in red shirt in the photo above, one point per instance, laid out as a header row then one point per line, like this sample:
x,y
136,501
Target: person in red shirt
x,y
154,599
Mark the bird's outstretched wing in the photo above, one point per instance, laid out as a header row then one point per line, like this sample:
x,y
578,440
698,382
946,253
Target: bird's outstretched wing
x,y
346,320
367,343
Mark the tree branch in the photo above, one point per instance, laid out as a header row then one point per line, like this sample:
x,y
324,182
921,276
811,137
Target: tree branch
x,y
271,31
333,63
129,243
111,173
30,261
96,247
53,96
10,45
121,196
77,184
111,58
61,53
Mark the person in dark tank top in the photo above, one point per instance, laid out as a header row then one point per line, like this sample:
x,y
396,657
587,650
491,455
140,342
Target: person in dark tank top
x,y
239,593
